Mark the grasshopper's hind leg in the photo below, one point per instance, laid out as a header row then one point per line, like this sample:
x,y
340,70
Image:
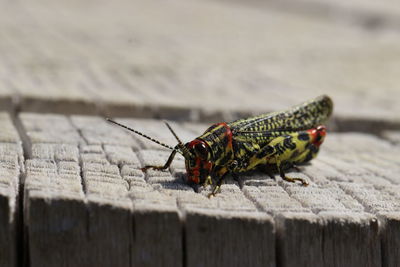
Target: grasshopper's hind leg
x,y
289,179
163,167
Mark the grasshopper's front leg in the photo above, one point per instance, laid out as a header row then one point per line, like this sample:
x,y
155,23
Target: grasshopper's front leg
x,y
165,166
222,173
217,187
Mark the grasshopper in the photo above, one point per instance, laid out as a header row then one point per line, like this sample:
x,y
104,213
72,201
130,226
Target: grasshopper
x,y
274,141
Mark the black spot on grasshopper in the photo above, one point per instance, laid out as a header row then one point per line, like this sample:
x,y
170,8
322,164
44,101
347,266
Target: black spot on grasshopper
x,y
265,151
279,149
288,143
314,149
309,156
303,136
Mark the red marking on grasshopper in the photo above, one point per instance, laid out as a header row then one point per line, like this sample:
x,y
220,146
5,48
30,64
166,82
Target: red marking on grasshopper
x,y
317,135
201,164
228,133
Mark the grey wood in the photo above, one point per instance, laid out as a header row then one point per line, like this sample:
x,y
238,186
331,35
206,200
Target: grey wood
x,y
390,241
223,238
55,222
300,239
87,203
81,187
379,16
271,198
157,233
330,239
157,227
109,233
347,216
11,165
74,204
63,104
351,239
393,136
127,66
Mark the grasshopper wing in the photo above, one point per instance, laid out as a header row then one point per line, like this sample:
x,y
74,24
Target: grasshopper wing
x,y
301,117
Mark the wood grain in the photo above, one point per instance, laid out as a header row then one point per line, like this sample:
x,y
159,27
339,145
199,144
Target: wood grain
x,y
94,189
11,167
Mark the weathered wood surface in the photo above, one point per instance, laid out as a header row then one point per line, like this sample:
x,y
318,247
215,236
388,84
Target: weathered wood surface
x,y
72,193
150,59
87,200
11,166
372,16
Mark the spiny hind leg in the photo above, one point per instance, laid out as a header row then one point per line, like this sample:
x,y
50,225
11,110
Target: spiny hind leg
x,y
294,179
162,167
280,167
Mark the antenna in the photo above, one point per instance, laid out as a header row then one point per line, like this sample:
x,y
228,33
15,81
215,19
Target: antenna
x,y
185,152
172,131
141,134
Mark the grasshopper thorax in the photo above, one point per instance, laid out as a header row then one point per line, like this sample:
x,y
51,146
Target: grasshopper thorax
x,y
198,162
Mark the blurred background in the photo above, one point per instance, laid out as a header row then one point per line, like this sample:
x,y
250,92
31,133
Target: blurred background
x,y
201,60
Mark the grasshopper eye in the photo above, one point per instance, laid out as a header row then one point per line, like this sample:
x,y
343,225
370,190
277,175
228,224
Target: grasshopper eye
x,y
201,150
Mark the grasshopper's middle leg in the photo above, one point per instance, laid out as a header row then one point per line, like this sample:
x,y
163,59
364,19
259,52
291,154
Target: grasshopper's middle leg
x,y
163,167
222,173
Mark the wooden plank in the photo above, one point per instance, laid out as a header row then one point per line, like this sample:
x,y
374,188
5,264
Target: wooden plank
x,y
221,238
390,242
217,227
323,238
63,104
83,219
392,136
81,185
282,69
56,228
299,239
346,216
157,227
351,239
158,235
373,16
11,158
85,197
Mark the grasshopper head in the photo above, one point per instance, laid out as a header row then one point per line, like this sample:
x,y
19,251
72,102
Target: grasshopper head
x,y
197,158
197,161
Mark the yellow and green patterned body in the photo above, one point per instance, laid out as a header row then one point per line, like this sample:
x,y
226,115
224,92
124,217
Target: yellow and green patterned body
x,y
293,149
